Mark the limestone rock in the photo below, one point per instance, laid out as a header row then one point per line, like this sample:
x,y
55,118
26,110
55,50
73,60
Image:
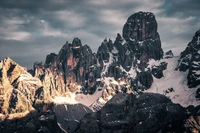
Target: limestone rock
x,y
140,31
17,88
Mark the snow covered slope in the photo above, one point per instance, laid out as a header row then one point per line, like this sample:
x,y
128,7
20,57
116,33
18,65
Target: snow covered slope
x,y
173,84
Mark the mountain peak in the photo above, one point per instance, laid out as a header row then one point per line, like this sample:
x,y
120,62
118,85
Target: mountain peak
x,y
76,43
140,31
190,60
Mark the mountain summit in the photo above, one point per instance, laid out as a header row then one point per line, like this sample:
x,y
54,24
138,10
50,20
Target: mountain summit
x,y
118,83
140,31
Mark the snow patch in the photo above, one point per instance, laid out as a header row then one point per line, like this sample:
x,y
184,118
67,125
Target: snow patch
x,y
114,51
69,99
107,64
88,100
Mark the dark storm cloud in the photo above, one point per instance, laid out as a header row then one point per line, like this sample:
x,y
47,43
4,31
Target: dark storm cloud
x,y
26,53
178,22
31,29
181,8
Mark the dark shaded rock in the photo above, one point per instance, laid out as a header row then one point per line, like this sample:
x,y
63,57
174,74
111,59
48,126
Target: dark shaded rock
x,y
68,116
191,110
190,60
145,78
169,54
50,58
33,122
130,113
104,52
184,63
140,31
125,53
169,90
192,124
194,75
115,71
157,71
198,94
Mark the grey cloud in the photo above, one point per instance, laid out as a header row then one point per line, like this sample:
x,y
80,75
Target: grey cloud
x,y
26,53
181,8
46,25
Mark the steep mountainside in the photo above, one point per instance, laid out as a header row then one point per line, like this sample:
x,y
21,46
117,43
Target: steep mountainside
x,y
140,31
120,76
190,61
134,62
17,89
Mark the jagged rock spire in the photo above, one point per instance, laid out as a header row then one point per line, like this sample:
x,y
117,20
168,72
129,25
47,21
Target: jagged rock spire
x,y
140,31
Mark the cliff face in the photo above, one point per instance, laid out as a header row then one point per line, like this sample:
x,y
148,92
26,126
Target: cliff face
x,y
74,65
17,89
128,57
140,31
190,60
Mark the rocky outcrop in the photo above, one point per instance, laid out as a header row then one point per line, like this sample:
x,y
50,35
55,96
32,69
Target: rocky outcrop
x,y
145,79
157,71
17,89
104,50
126,56
131,53
190,60
74,65
32,122
192,124
198,94
131,113
24,101
147,112
69,116
140,31
168,54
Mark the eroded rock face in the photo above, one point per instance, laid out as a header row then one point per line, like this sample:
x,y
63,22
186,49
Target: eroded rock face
x,y
130,113
131,52
17,89
125,55
74,64
145,78
140,31
190,60
157,71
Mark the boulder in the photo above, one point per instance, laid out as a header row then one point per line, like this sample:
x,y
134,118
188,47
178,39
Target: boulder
x,y
131,113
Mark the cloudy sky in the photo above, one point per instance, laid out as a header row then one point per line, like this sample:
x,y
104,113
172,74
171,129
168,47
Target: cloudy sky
x,y
31,29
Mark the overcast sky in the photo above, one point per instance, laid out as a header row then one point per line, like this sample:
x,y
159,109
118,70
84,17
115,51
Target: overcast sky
x,y
31,29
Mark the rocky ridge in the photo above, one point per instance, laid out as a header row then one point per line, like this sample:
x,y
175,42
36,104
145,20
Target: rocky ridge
x,y
190,60
133,63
